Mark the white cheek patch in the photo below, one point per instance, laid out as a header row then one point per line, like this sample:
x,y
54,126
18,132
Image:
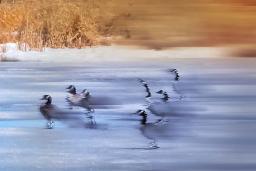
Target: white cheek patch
x,y
141,112
44,101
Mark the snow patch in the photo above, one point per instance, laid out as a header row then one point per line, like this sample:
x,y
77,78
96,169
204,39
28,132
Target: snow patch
x,y
10,51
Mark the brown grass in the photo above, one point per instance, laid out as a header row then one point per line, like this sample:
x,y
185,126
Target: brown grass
x,y
153,23
248,51
170,23
57,24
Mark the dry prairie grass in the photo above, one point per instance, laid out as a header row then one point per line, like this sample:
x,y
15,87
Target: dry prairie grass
x,y
56,24
154,24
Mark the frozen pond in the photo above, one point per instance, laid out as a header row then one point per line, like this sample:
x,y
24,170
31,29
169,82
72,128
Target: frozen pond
x,y
211,128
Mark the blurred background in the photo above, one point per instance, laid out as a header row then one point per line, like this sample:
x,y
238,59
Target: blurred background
x,y
148,23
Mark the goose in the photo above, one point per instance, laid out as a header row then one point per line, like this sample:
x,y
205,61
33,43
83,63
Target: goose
x,y
177,78
48,110
175,71
51,112
148,130
165,97
80,100
88,101
145,85
158,108
149,96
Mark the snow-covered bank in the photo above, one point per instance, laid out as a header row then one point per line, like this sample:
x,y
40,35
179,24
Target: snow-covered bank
x,y
10,51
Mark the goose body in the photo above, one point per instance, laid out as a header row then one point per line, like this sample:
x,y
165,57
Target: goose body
x,y
176,74
165,95
158,108
149,130
51,112
88,101
80,100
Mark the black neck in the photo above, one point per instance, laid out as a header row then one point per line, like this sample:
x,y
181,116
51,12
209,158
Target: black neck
x,y
148,95
177,76
49,101
148,91
143,121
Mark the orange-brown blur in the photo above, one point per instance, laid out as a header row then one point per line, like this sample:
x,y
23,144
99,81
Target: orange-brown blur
x,y
154,24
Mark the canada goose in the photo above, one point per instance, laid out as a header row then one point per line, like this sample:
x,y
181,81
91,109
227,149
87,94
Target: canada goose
x,y
177,78
47,110
88,101
165,97
175,71
157,108
50,112
145,84
80,100
148,130
149,96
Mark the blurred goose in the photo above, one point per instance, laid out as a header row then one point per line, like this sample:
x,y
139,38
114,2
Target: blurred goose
x,y
149,96
80,100
165,97
145,84
148,130
157,108
88,101
50,112
175,71
177,78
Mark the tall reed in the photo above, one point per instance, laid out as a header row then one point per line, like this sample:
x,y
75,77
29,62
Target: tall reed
x,y
56,24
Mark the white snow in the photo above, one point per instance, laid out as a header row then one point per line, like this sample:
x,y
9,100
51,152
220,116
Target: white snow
x,y
105,53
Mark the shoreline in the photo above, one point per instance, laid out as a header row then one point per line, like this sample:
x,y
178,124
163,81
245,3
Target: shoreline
x,y
112,53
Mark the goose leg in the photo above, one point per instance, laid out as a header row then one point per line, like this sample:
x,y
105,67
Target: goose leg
x,y
153,145
89,116
93,120
91,110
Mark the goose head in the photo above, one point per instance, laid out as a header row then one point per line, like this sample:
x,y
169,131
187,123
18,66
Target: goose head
x,y
144,116
142,81
85,93
47,99
141,112
160,92
71,89
173,70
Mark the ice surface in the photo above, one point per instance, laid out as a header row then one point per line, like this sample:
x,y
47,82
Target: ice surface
x,y
211,128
